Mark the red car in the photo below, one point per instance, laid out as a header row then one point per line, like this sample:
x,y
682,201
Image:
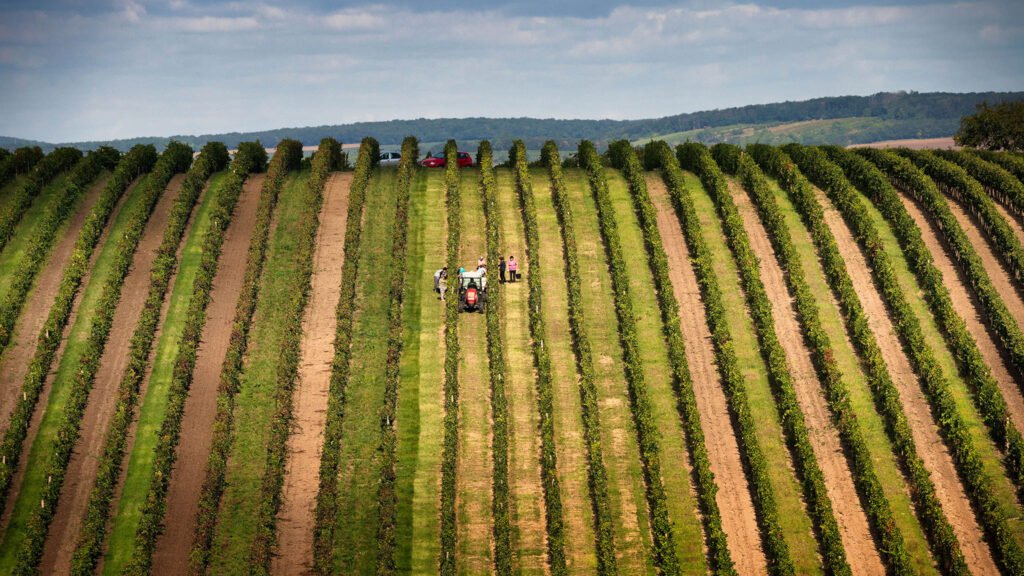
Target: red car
x,y
464,159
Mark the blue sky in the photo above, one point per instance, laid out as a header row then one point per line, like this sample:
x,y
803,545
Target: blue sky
x,y
83,70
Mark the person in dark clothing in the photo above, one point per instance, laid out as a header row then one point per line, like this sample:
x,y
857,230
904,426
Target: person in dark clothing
x,y
501,270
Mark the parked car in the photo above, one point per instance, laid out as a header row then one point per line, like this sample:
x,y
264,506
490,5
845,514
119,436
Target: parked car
x,y
390,158
464,159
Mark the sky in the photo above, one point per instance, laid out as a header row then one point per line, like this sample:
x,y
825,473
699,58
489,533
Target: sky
x,y
73,70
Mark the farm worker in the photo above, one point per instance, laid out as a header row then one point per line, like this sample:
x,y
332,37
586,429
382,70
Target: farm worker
x,y
501,270
480,262
512,267
441,281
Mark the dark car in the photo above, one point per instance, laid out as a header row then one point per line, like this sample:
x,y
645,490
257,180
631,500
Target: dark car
x,y
464,159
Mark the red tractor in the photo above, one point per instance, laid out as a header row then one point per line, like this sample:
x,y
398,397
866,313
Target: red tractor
x,y
472,293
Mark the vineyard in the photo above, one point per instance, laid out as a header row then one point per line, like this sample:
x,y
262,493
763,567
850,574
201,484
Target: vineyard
x,y
761,360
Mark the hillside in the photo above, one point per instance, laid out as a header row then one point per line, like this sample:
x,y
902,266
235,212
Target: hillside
x,y
831,120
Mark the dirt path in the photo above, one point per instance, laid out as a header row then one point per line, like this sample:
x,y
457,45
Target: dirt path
x,y
201,406
964,303
925,433
81,472
295,519
737,509
15,360
853,523
475,466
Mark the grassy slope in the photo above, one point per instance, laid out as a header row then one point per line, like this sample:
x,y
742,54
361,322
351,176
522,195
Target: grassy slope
x,y
570,447
682,506
14,251
428,362
625,473
254,403
860,395
527,502
1003,489
475,467
154,404
28,497
793,517
355,535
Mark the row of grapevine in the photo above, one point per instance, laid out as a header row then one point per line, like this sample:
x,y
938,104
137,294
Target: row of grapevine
x,y
698,158
18,162
56,162
69,429
943,542
763,495
450,450
985,391
387,498
326,499
93,530
875,504
958,184
327,158
1013,163
997,181
625,158
496,366
935,384
45,234
140,159
597,476
542,363
665,557
286,158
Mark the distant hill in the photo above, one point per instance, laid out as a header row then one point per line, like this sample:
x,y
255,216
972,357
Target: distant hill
x,y
836,120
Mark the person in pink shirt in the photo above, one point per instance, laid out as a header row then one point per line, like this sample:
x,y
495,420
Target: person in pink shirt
x,y
512,266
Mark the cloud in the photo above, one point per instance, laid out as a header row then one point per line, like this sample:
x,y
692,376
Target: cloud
x,y
216,24
355,19
132,11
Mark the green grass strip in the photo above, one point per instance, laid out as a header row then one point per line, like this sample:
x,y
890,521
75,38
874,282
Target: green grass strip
x,y
285,159
387,495
44,234
873,499
59,432
327,497
542,362
937,387
806,463
213,157
597,475
647,433
942,539
56,162
719,557
327,158
450,451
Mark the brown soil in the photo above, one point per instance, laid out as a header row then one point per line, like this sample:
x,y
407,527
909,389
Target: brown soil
x,y
295,519
15,360
913,143
853,523
929,444
81,471
44,395
738,517
966,306
201,405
